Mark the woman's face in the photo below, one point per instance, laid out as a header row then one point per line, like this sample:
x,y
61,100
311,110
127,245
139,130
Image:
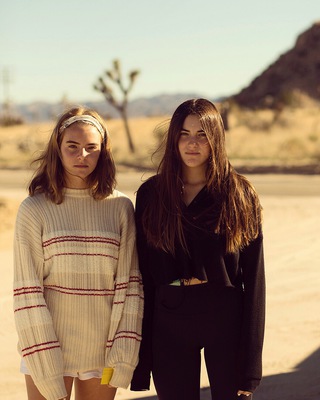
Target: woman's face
x,y
193,144
80,151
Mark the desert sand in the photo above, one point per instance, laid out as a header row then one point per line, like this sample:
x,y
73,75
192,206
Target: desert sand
x,y
292,243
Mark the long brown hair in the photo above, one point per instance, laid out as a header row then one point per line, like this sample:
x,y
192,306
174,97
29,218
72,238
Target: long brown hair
x,y
239,216
49,176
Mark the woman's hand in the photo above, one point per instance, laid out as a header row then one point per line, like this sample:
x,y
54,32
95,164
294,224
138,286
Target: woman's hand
x,y
240,392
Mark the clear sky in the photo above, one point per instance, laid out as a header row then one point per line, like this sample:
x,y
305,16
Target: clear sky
x,y
56,48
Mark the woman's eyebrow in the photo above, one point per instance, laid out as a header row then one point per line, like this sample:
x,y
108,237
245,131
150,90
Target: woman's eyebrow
x,y
88,144
186,130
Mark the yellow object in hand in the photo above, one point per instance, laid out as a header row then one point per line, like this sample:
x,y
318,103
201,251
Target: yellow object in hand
x,y
106,376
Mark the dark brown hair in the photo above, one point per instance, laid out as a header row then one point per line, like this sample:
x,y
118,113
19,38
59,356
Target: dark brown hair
x,y
49,176
239,216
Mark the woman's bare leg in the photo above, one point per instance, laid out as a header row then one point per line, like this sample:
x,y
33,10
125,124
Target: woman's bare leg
x,y
91,389
34,394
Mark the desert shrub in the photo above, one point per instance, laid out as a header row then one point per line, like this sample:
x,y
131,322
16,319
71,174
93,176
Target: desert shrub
x,y
8,212
10,121
292,148
28,145
313,137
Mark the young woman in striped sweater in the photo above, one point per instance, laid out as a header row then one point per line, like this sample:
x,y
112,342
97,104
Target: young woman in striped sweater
x,y
77,288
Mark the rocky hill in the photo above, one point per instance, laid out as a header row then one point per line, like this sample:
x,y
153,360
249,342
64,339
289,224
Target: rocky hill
x,y
294,76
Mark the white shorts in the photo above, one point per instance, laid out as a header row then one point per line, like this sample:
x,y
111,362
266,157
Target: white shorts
x,y
83,376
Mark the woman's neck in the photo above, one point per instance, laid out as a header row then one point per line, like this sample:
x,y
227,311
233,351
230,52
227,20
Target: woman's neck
x,y
75,182
193,182
194,177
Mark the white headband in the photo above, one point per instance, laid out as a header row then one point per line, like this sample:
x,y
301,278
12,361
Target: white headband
x,y
87,119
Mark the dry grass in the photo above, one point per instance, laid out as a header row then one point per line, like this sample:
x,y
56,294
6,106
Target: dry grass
x,y
8,211
254,138
20,144
264,138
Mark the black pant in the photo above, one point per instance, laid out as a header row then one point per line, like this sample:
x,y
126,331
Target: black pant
x,y
187,319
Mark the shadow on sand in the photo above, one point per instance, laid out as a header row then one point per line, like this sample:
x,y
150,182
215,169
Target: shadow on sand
x,y
303,383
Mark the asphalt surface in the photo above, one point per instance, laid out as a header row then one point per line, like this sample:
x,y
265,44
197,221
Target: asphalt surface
x,y
13,183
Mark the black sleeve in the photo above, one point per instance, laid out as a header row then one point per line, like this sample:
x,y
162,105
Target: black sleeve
x,y
142,374
252,266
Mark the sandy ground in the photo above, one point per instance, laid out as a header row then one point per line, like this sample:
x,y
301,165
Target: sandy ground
x,y
292,243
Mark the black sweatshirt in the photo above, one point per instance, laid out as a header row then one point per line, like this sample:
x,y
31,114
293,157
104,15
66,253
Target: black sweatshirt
x,y
207,260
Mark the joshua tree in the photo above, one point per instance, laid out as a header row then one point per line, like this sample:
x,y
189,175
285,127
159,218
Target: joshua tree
x,y
114,75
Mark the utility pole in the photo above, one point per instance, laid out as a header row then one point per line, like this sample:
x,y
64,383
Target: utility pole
x,y
6,81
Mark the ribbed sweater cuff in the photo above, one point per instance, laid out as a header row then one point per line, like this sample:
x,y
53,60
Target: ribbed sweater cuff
x,y
122,375
52,388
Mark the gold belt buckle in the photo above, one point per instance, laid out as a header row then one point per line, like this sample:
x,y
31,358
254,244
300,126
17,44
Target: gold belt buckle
x,y
192,281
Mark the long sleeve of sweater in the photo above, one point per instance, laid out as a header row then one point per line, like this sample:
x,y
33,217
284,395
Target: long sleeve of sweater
x,y
38,341
127,306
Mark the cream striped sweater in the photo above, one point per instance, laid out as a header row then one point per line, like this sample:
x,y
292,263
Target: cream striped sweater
x,y
77,289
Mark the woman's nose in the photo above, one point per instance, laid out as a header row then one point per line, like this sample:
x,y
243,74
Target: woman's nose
x,y
192,140
82,153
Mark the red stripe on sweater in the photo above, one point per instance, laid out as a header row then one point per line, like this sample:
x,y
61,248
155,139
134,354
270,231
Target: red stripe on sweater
x,y
91,292
72,288
37,351
89,239
26,287
28,292
39,344
128,332
136,338
81,254
124,285
29,307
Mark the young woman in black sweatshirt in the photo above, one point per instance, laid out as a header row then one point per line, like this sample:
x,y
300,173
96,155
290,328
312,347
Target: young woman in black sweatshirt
x,y
200,248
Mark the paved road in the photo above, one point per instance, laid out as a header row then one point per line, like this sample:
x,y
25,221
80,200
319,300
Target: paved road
x,y
14,182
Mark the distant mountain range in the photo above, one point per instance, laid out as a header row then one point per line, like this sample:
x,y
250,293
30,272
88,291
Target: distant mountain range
x,y
164,104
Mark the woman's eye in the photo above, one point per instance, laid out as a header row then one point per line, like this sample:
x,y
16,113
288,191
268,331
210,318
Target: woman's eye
x,y
92,148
